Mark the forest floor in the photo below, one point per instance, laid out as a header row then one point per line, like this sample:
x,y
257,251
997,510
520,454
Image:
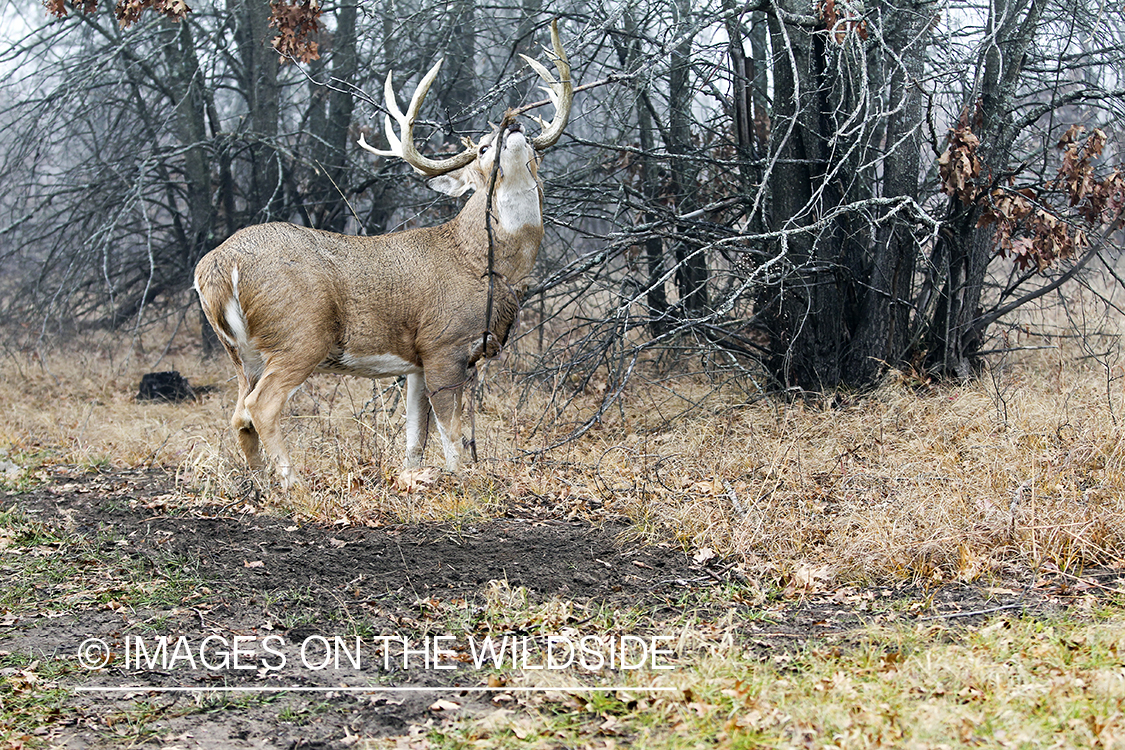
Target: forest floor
x,y
929,565
109,555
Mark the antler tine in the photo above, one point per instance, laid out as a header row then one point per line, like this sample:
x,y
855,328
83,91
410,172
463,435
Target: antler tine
x,y
388,128
404,147
396,144
561,92
390,99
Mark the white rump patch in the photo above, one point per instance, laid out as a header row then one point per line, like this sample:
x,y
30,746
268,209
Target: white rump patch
x,y
253,364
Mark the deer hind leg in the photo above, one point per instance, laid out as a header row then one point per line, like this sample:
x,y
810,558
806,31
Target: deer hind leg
x,y
229,324
243,425
263,405
241,422
445,383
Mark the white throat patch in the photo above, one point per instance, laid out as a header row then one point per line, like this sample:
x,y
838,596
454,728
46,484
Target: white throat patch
x,y
518,207
518,196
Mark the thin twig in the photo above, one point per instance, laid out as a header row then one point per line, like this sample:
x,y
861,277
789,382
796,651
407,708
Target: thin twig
x,y
973,613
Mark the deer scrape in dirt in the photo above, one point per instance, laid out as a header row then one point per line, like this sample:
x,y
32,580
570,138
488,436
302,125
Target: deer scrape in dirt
x,y
256,576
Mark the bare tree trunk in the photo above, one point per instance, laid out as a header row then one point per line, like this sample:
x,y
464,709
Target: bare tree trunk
x,y
749,86
529,12
186,85
805,317
656,298
962,255
458,91
882,333
329,122
691,263
259,66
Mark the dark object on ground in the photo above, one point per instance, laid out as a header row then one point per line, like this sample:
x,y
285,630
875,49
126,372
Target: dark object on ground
x,y
168,386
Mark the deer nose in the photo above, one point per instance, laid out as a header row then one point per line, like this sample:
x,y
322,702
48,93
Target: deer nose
x,y
515,127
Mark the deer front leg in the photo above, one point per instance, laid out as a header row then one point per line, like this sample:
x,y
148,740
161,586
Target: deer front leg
x,y
445,383
417,420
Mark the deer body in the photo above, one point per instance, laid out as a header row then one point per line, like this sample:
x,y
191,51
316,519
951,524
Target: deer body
x,y
287,301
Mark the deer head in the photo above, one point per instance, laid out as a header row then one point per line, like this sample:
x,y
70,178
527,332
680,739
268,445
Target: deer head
x,y
560,92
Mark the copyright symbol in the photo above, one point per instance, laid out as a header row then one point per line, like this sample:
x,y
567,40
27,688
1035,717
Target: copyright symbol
x,y
93,653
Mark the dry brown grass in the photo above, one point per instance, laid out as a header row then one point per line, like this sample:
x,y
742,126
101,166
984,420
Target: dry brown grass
x,y
1022,469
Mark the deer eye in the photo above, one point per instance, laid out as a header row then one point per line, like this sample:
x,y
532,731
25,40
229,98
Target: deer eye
x,y
483,149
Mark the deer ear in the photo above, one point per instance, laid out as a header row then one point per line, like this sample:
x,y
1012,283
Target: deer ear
x,y
459,181
455,183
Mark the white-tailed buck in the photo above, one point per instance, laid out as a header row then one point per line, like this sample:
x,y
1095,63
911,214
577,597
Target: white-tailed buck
x,y
287,301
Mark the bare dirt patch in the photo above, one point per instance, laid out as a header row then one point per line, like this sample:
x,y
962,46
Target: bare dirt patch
x,y
255,575
198,572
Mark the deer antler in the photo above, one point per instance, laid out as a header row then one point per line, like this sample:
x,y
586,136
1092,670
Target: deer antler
x,y
404,147
560,92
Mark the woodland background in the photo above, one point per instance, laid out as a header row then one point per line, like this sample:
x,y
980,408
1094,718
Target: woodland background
x,y
804,194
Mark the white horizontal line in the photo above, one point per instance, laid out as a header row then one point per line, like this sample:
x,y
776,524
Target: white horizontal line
x,y
413,689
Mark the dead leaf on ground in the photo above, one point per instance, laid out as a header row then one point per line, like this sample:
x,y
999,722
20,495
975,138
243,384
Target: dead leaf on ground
x,y
444,705
703,555
68,488
494,722
809,578
611,725
413,480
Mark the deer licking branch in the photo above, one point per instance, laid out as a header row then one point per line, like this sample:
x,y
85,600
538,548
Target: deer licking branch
x,y
287,301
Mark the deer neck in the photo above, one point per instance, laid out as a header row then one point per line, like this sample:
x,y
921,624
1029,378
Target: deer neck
x,y
517,229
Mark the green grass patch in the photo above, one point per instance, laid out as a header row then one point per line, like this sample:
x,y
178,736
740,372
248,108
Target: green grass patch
x,y
31,698
45,566
1015,682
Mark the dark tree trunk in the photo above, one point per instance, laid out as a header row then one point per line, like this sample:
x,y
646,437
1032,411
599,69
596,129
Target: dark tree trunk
x,y
198,237
329,124
459,87
882,332
186,84
650,178
691,261
805,316
960,260
529,12
748,99
259,61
